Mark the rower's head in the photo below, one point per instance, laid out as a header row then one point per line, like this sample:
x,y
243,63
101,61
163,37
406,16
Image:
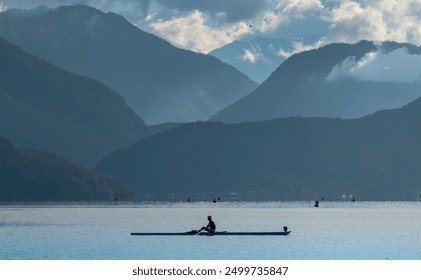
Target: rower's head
x,y
209,218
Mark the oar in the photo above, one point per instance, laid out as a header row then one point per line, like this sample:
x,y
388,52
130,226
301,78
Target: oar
x,y
199,231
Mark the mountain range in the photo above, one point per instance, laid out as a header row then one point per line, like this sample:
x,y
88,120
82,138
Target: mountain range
x,y
160,82
307,132
372,158
30,175
48,109
335,81
259,57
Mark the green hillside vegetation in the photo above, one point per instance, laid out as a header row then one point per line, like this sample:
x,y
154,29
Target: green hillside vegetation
x,y
29,175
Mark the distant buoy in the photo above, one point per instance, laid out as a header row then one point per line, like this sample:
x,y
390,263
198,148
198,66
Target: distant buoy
x,y
214,200
316,204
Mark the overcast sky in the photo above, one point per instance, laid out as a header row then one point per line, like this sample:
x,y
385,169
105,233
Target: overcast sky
x,y
203,25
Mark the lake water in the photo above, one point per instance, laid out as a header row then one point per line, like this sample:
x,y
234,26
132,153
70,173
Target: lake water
x,y
334,231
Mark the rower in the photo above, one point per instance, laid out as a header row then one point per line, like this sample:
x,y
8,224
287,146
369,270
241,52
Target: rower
x,y
211,227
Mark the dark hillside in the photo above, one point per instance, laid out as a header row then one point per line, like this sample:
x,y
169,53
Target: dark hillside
x,y
373,158
46,108
29,175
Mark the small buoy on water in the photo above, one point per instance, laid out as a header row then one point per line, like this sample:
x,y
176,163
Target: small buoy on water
x,y
316,204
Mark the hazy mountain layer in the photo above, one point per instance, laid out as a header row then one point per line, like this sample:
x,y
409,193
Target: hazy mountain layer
x,y
335,81
259,57
159,81
372,158
46,108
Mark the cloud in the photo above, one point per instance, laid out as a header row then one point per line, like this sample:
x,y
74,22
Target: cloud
x,y
376,20
297,47
3,7
178,21
231,10
249,56
395,66
288,13
192,32
331,20
299,7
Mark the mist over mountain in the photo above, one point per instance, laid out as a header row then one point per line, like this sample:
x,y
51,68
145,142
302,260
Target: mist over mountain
x,y
159,81
49,109
373,158
30,175
259,57
334,81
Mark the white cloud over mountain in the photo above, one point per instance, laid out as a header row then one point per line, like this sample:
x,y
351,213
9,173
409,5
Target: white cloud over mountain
x,y
229,10
395,66
250,56
376,20
207,24
192,32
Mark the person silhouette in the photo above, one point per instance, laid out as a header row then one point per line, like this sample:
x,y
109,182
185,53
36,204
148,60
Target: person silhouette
x,y
211,227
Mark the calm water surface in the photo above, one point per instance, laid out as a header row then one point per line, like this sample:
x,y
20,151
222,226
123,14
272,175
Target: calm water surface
x,y
335,230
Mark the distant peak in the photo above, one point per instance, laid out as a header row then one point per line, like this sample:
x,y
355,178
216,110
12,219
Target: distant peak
x,y
27,12
45,9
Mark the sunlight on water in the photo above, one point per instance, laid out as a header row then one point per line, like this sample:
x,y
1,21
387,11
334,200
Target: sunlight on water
x,y
335,230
